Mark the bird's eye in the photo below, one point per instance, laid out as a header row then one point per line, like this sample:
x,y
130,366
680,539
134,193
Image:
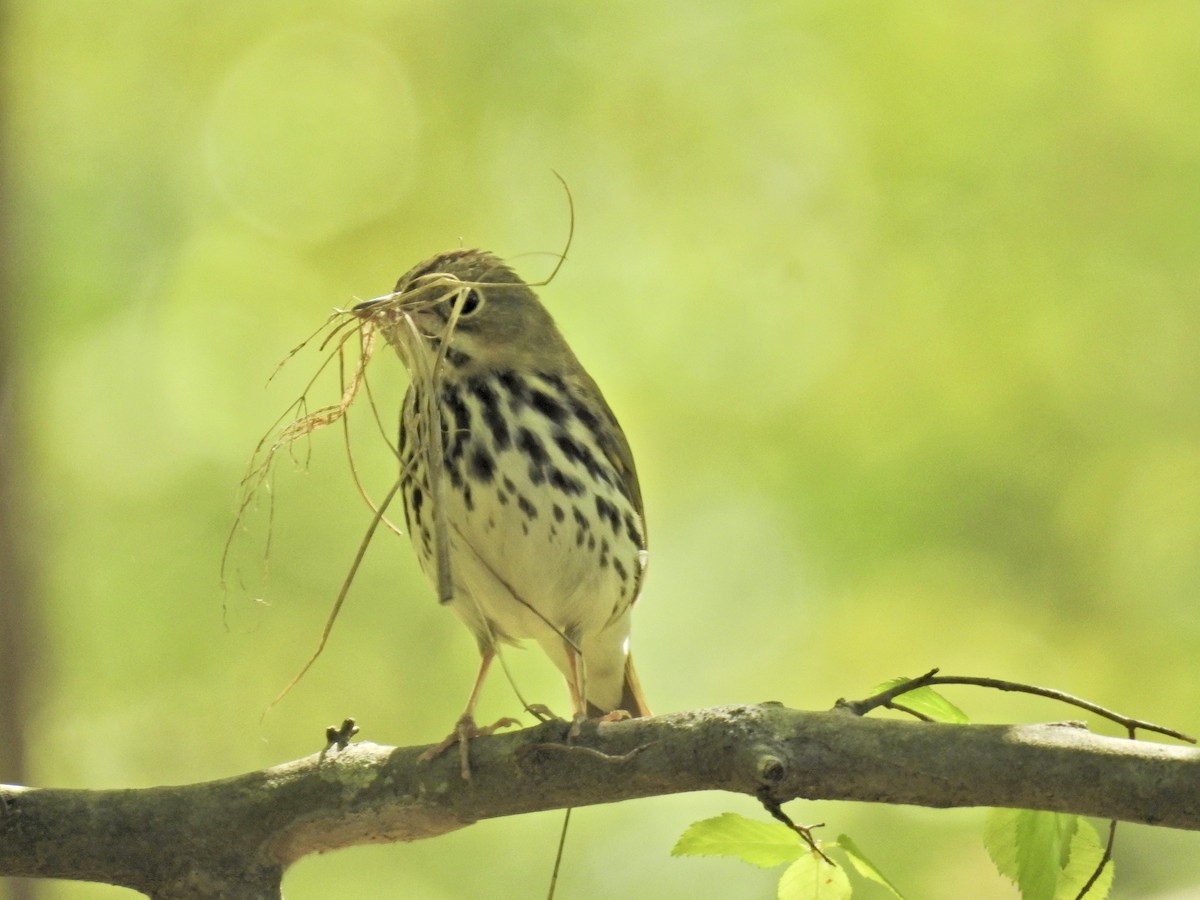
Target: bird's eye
x,y
469,303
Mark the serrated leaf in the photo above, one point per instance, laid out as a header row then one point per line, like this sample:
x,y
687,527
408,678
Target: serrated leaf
x,y
926,701
812,878
1031,848
762,844
1086,852
864,866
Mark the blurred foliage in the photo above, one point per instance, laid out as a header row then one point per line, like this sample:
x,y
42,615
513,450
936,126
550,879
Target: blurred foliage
x,y
898,304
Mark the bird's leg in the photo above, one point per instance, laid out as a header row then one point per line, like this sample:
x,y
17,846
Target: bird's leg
x,y
577,688
466,729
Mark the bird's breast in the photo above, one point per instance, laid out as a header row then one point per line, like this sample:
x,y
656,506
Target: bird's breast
x,y
540,525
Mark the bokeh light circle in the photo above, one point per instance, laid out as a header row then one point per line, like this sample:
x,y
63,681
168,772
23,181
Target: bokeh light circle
x,y
313,132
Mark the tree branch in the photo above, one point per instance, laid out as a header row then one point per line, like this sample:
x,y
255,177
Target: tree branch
x,y
235,837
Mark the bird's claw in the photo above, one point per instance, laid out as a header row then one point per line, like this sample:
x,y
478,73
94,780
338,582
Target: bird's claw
x,y
465,730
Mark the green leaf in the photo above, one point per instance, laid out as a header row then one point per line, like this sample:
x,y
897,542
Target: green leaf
x,y
926,701
763,844
812,878
1030,847
864,866
1086,852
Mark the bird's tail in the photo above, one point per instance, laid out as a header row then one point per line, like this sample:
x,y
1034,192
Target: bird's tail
x,y
633,701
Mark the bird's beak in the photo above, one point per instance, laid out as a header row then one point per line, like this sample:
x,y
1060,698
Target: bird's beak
x,y
366,307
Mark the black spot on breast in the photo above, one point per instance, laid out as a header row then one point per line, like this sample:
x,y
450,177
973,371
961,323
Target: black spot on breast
x,y
517,390
526,507
454,437
633,531
531,445
457,358
559,515
579,453
548,407
608,513
621,571
409,516
585,415
533,448
568,484
482,466
489,404
452,398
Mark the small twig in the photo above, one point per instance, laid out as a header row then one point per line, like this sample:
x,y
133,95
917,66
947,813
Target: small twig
x,y
900,707
885,698
771,805
339,736
1104,860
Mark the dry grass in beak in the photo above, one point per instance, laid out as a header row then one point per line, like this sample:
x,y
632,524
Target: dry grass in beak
x,y
391,315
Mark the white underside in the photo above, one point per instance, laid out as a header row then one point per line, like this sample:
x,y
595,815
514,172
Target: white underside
x,y
517,576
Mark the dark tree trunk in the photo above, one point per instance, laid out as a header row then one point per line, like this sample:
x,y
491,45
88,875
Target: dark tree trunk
x,y
15,568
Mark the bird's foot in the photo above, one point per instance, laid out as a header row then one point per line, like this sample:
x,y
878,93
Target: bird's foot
x,y
577,721
617,715
464,731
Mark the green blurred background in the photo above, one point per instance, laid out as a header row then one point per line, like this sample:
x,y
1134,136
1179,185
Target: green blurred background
x,y
899,305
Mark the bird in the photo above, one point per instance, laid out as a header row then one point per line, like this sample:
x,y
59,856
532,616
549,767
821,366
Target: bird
x,y
526,514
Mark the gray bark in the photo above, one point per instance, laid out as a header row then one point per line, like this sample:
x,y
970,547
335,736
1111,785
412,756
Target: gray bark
x,y
235,837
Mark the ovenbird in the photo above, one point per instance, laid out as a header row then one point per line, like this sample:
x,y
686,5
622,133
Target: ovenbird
x,y
525,511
